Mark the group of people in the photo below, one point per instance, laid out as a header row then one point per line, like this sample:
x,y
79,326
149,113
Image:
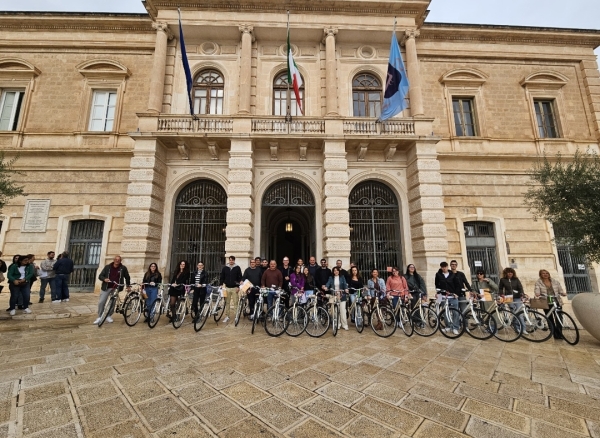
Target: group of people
x,y
23,272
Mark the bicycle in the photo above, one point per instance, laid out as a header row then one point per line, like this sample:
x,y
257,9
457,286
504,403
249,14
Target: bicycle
x,y
450,319
160,306
113,302
275,322
383,321
424,320
356,311
334,307
318,319
508,327
214,304
403,319
295,316
538,328
183,306
478,323
241,306
570,332
135,305
258,311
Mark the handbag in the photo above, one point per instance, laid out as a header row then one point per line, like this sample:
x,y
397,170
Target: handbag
x,y
539,303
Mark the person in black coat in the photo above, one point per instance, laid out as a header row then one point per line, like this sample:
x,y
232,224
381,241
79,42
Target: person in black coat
x,y
3,269
450,286
200,280
322,275
254,275
181,276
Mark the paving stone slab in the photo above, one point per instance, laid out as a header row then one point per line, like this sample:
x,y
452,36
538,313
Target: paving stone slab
x,y
99,415
90,378
245,393
429,429
276,414
6,390
500,416
217,412
516,392
292,393
220,379
68,431
190,428
162,411
126,429
310,379
143,391
5,410
481,428
40,379
385,392
385,413
540,429
453,400
551,416
340,394
364,427
250,427
267,379
42,392
580,410
46,414
436,412
311,429
491,398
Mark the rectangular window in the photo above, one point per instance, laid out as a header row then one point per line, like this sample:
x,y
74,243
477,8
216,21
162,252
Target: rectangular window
x,y
544,113
10,108
103,110
464,117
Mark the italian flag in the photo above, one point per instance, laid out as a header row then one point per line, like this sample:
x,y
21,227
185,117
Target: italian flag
x,y
294,78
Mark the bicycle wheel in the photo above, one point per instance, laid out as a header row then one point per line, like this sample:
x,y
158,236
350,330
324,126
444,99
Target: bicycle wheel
x,y
383,322
425,321
295,318
133,311
255,315
155,312
201,319
335,319
275,321
451,325
317,321
404,321
508,328
570,332
220,310
180,312
240,308
477,324
108,307
359,321
537,328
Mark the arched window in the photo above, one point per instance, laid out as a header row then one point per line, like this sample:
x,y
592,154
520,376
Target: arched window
x,y
280,86
366,95
208,92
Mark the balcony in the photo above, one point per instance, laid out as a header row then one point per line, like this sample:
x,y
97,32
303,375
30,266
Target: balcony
x,y
278,125
371,127
187,124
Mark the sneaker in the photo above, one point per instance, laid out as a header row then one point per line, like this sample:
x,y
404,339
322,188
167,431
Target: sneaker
x,y
55,301
13,312
109,319
455,331
251,317
345,328
65,300
97,321
27,310
41,300
226,320
445,330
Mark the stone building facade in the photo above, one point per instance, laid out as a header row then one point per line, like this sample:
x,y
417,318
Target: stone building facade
x,y
114,164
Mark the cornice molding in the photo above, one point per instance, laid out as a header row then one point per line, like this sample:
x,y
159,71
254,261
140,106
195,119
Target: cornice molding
x,y
61,22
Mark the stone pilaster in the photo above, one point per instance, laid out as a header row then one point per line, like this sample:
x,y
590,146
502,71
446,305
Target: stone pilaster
x,y
591,80
414,76
143,220
240,202
426,210
331,71
246,69
336,218
157,76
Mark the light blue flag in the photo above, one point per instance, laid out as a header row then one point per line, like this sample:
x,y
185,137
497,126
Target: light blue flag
x,y
396,83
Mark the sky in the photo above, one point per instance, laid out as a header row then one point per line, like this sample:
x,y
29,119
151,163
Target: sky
x,y
584,14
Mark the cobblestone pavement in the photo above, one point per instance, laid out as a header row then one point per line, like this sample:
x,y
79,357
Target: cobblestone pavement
x,y
64,377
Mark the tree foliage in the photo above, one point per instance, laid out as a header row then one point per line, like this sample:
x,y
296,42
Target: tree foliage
x,y
566,192
8,188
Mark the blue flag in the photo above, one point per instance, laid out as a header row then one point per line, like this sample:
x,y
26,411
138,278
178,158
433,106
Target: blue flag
x,y
396,83
186,67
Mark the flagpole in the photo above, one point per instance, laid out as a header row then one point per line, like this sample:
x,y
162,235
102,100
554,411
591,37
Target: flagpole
x,y
288,98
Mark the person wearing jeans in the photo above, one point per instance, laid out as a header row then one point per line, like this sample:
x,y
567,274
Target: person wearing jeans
x,y
273,279
63,269
19,276
152,278
449,284
112,273
47,277
511,285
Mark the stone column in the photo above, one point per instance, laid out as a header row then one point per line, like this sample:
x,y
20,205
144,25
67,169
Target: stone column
x,y
414,76
143,222
426,210
157,76
246,68
331,71
240,202
336,218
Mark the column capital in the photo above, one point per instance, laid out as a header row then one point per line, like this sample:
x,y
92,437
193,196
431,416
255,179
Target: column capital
x,y
247,28
161,26
411,34
329,31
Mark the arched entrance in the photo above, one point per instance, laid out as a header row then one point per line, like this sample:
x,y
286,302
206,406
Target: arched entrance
x,y
288,221
199,228
375,228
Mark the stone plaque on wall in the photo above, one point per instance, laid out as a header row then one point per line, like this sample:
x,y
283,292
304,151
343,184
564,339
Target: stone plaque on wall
x,y
35,217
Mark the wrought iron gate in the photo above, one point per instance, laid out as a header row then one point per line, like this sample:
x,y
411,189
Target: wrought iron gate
x,y
481,248
85,245
199,228
288,193
375,228
575,271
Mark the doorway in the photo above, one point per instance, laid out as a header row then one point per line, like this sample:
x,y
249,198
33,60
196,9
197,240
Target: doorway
x,y
288,222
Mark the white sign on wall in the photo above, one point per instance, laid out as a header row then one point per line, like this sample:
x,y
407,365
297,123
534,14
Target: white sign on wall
x,y
35,217
478,263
